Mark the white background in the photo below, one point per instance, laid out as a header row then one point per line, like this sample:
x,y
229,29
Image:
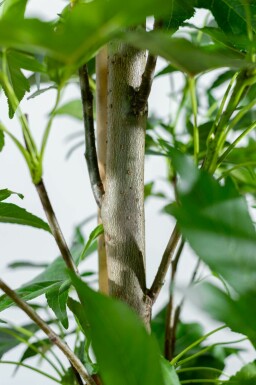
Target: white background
x,y
68,186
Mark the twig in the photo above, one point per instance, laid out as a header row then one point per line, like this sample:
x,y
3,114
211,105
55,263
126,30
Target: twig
x,y
172,321
53,337
54,225
164,265
141,97
91,153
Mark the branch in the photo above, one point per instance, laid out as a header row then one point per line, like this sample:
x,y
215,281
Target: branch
x,y
144,90
91,153
53,337
54,225
164,265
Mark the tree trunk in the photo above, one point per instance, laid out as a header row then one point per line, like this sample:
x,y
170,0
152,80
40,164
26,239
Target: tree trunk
x,y
101,108
123,203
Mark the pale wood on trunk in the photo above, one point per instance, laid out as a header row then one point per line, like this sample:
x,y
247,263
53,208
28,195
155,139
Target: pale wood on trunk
x,y
101,109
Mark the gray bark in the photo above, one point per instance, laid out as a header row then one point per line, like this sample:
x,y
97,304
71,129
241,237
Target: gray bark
x,y
123,203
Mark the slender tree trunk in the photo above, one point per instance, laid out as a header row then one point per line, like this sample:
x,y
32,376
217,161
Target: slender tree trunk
x,y
123,203
101,108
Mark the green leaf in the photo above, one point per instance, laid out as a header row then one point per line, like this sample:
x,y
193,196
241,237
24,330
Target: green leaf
x,y
42,345
72,108
26,264
166,70
208,218
245,376
80,314
99,20
120,361
181,11
1,140
184,55
228,310
57,300
94,235
186,334
9,337
4,194
18,82
51,278
230,14
28,292
14,8
26,61
10,213
170,376
40,92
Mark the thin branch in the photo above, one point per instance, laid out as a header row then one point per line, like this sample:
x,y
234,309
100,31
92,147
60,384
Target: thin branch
x,y
144,90
53,337
172,320
54,225
91,153
164,265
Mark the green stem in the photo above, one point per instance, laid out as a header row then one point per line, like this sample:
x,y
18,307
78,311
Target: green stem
x,y
197,342
233,145
181,105
218,134
205,350
22,149
201,368
49,125
23,121
32,347
32,368
240,114
249,28
192,89
222,104
202,381
245,164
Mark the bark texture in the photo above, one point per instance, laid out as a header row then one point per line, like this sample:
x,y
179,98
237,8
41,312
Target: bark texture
x,y
123,203
101,108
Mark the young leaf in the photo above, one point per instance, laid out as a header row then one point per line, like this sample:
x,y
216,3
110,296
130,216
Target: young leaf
x,y
94,235
128,356
72,108
17,79
4,194
57,300
10,213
